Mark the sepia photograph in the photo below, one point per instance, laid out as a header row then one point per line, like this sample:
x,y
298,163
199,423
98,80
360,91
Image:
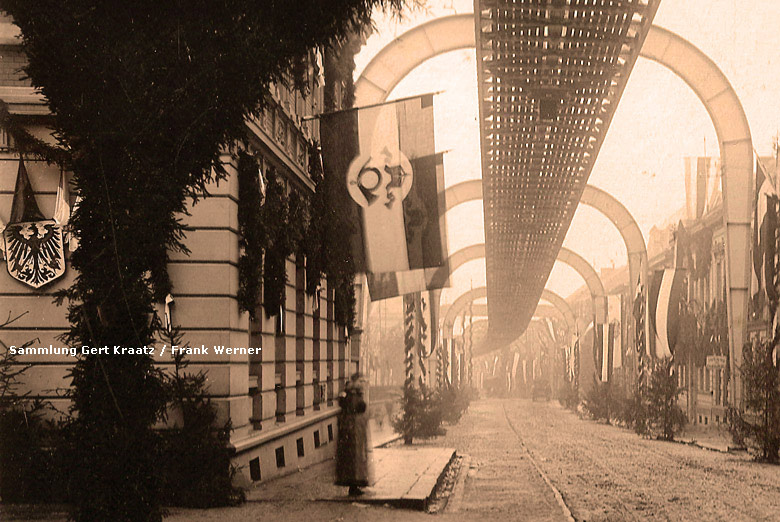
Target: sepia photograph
x,y
389,260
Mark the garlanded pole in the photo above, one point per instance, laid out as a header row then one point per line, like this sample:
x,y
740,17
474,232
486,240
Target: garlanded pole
x,y
409,342
470,340
639,316
439,364
422,330
576,363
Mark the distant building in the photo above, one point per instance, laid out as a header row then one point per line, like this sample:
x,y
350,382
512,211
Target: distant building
x,y
704,379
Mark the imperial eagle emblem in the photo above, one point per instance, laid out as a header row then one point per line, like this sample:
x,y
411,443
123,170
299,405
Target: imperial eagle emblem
x,y
34,252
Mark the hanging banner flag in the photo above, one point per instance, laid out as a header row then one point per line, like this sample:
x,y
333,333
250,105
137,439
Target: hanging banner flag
x,y
764,238
696,171
385,285
603,351
712,173
639,327
2,243
391,177
666,290
515,361
614,312
617,345
598,345
550,329
33,244
62,204
433,300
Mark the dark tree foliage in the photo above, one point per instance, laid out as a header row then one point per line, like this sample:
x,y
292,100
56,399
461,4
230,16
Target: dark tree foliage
x,y
421,415
271,228
314,237
664,416
632,411
326,242
757,423
599,402
32,456
279,244
194,450
145,98
454,401
252,236
339,62
28,465
568,395
285,217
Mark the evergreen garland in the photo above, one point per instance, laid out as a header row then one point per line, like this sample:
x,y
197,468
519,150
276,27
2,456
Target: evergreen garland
x,y
251,231
300,215
314,237
339,93
27,144
326,242
275,212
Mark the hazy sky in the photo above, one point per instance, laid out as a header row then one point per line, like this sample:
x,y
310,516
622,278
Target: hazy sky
x,y
659,121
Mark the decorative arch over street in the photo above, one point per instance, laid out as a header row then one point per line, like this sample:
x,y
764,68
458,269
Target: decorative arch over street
x,y
695,68
569,257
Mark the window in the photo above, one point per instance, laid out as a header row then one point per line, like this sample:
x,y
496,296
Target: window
x,y
280,457
299,444
254,469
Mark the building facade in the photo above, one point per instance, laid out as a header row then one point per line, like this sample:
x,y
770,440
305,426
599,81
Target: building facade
x,y
281,401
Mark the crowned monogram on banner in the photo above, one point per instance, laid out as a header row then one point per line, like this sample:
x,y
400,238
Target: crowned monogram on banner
x,y
393,181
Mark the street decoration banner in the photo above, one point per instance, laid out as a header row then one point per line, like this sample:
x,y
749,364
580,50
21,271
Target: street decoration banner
x,y
764,238
606,361
614,315
665,297
391,178
385,285
34,245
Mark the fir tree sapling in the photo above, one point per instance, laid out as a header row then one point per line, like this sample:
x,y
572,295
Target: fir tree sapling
x,y
664,414
195,452
599,401
757,424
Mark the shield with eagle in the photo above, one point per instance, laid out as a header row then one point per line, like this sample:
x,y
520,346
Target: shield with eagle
x,y
34,247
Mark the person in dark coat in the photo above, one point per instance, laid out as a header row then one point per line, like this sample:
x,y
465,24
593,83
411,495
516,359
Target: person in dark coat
x,y
353,448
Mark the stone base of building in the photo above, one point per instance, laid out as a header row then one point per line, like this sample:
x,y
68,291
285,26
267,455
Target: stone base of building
x,y
287,447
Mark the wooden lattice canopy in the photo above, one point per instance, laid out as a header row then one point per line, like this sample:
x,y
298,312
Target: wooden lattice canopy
x,y
551,73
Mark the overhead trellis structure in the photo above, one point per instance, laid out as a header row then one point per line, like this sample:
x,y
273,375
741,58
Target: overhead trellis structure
x,y
551,73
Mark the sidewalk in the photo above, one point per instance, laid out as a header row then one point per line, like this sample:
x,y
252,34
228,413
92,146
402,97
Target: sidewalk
x,y
711,438
404,477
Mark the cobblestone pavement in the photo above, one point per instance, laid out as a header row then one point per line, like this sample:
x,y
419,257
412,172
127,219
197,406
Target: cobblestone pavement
x,y
609,473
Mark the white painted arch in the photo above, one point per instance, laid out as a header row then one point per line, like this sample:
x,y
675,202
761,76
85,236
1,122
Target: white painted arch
x,y
472,295
695,68
569,257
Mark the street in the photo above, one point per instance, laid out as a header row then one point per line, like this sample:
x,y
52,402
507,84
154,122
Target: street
x,y
602,472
